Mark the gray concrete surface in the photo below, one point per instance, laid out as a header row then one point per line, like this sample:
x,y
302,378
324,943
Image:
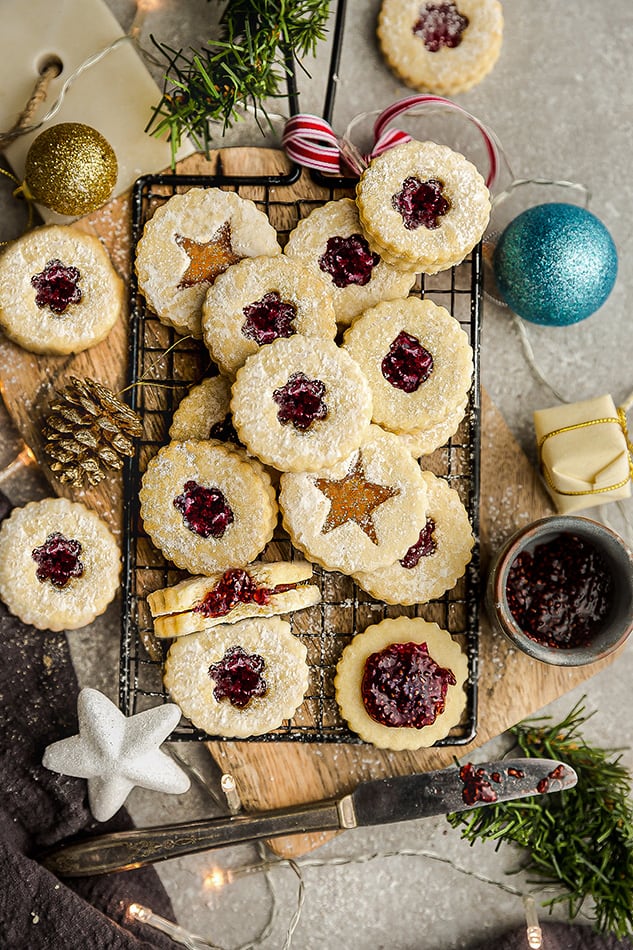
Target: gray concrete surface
x,y
560,100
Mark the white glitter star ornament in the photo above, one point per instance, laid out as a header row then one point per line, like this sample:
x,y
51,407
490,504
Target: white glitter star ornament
x,y
115,753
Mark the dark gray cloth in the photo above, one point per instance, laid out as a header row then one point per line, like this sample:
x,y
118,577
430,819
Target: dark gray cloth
x,y
39,808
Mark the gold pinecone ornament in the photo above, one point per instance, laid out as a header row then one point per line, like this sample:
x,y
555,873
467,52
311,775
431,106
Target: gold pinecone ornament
x,y
88,431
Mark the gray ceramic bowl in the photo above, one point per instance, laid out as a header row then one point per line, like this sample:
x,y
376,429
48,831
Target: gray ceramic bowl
x,y
617,622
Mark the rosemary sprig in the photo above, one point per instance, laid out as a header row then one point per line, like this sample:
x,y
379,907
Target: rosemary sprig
x,y
581,840
246,67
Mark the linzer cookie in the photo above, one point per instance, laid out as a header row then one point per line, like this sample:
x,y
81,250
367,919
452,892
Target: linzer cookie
x,y
422,206
188,242
59,292
301,404
444,47
59,564
206,506
260,300
417,360
205,413
435,562
262,589
238,680
331,241
400,684
360,514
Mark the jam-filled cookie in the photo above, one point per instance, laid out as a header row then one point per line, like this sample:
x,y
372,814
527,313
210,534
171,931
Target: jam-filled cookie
x,y
435,562
238,680
331,241
260,300
422,206
441,47
206,506
400,684
188,242
59,564
59,292
262,589
301,404
417,360
360,514
205,413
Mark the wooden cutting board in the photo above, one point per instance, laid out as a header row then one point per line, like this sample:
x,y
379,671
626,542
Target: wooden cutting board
x,y
270,775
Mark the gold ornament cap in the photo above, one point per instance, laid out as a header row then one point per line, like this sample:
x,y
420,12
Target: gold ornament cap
x,y
70,168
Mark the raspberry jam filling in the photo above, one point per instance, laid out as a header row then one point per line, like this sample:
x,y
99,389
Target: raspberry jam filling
x,y
224,430
407,364
204,510
236,586
348,260
440,24
301,401
403,686
421,203
238,677
268,319
58,560
56,287
423,547
560,594
477,787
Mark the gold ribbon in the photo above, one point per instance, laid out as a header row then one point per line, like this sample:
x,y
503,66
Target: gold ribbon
x,y
620,421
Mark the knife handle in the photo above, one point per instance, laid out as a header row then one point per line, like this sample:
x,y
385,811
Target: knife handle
x,y
124,850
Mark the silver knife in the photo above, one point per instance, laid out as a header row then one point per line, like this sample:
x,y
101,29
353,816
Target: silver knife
x,y
400,798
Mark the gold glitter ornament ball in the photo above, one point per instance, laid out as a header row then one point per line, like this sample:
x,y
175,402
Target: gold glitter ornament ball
x,y
70,168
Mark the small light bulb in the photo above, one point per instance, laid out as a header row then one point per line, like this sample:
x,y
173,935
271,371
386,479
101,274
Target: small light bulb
x,y
216,878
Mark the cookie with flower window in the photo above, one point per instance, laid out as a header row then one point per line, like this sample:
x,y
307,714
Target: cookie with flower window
x,y
361,513
436,560
417,360
190,240
59,564
438,46
59,292
301,404
206,506
423,206
400,683
238,680
423,442
260,300
330,240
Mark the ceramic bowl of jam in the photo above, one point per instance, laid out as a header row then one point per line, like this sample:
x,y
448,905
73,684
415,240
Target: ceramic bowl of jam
x,y
561,590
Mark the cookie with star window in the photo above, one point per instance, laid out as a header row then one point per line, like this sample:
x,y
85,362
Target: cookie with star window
x,y
438,46
190,240
361,513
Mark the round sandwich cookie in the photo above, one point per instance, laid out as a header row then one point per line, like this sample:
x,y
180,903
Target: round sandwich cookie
x,y
260,300
238,680
190,240
59,564
59,292
206,506
441,47
400,684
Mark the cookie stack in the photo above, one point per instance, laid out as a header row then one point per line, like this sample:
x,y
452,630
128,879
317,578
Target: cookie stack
x,y
332,383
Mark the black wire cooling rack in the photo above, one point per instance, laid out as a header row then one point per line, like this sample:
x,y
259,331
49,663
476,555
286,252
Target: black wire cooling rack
x,y
163,366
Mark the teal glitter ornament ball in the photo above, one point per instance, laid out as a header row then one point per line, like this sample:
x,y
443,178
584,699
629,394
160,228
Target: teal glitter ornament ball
x,y
555,264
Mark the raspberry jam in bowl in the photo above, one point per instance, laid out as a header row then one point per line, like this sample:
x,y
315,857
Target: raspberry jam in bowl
x,y
561,590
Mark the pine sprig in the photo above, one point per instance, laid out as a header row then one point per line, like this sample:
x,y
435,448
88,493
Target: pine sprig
x,y
245,68
579,841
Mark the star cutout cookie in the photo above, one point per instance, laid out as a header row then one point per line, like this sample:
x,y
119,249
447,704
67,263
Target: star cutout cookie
x,y
115,753
207,259
353,498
